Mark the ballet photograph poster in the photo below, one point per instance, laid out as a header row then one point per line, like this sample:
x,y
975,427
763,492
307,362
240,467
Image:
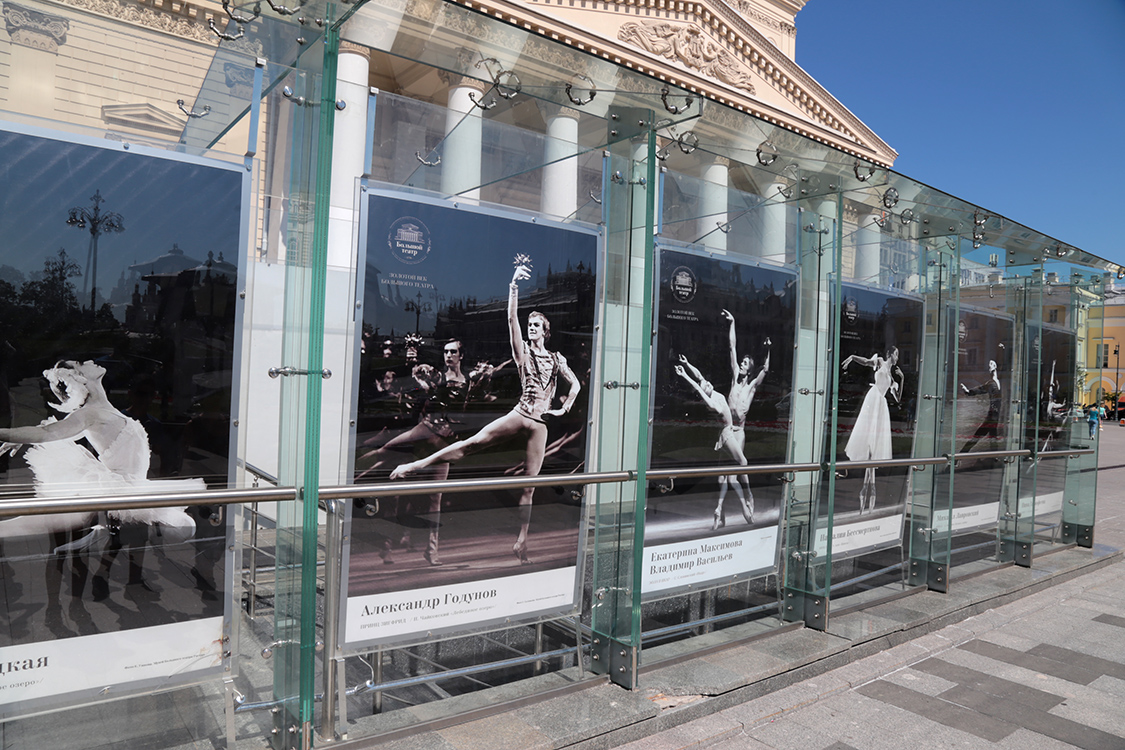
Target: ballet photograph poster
x,y
880,346
722,372
982,389
474,361
118,286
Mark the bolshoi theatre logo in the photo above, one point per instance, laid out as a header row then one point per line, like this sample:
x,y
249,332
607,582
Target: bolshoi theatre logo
x,y
683,284
409,240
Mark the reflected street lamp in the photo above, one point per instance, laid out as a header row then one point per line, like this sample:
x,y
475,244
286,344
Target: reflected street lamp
x,y
98,223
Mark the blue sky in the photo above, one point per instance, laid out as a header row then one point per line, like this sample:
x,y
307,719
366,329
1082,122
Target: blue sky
x,y
1015,105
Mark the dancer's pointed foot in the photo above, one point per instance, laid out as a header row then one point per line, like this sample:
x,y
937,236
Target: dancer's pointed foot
x,y
432,558
747,512
519,549
720,519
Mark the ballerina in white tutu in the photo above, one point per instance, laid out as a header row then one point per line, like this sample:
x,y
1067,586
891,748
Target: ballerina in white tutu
x,y
871,435
63,468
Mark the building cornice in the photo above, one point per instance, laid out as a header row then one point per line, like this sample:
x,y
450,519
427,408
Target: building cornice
x,y
821,117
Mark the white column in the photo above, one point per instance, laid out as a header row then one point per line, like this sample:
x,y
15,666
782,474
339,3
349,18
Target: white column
x,y
713,205
868,238
460,152
559,195
349,145
774,213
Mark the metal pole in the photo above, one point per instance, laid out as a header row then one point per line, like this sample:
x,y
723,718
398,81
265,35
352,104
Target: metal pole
x,y
1117,384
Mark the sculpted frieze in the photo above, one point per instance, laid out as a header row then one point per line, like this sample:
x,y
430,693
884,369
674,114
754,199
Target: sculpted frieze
x,y
688,45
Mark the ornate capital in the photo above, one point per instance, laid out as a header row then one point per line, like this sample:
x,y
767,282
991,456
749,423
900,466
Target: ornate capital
x,y
33,28
552,110
352,48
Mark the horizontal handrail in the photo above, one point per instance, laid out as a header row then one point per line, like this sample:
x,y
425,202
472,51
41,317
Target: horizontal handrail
x,y
886,462
1075,452
991,454
719,471
51,505
38,505
382,489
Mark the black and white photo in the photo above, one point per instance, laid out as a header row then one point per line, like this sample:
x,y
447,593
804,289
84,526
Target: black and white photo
x,y
474,361
722,372
118,368
880,336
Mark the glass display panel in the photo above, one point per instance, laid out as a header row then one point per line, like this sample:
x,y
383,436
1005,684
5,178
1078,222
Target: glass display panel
x,y
880,354
723,366
478,333
982,386
120,370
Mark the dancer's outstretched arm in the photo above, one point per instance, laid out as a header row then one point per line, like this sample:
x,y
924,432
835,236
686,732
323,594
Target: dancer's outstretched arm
x,y
725,314
871,362
695,373
518,354
765,369
72,426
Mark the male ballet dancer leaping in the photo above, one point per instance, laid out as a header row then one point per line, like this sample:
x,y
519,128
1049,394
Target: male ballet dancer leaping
x,y
539,371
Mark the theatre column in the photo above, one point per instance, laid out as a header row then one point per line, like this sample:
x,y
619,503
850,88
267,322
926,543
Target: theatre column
x,y
868,240
461,150
559,194
774,222
713,206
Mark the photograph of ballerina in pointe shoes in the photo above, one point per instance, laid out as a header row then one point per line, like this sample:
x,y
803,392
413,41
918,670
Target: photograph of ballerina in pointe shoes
x,y
117,370
474,363
880,343
722,378
870,437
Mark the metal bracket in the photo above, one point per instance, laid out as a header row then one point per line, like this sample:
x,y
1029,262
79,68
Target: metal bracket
x,y
575,100
595,198
613,384
865,175
666,488
664,92
281,10
191,112
274,372
806,392
936,579
224,35
619,178
434,163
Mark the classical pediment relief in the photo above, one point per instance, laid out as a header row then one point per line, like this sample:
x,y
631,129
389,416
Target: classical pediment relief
x,y
688,45
712,47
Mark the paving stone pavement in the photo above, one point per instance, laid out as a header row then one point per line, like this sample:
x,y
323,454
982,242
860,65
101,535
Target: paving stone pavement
x,y
1044,672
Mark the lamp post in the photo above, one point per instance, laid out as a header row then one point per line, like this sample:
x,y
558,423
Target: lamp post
x,y
417,308
98,224
1117,384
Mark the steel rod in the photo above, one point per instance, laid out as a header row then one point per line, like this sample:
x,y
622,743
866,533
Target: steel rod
x,y
461,672
351,491
157,500
718,471
713,619
991,454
